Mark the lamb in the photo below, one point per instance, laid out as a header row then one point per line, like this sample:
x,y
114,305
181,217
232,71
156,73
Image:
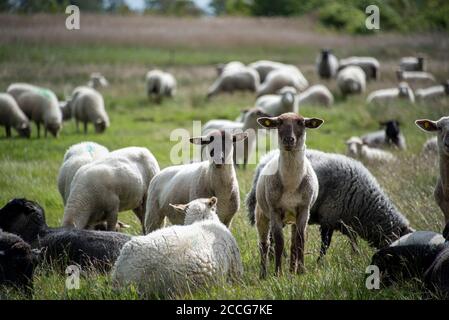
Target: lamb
x,y
87,105
41,105
416,79
275,105
441,193
97,250
391,136
97,81
434,92
351,80
12,116
75,157
235,79
177,259
358,150
317,95
327,64
222,67
412,64
104,187
392,95
349,200
264,67
17,262
288,75
369,65
160,84
183,183
286,190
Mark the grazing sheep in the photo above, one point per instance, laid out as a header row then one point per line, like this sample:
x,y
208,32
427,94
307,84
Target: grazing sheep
x,y
177,259
416,79
349,200
317,95
12,116
160,84
42,106
327,64
61,246
441,127
222,67
264,67
412,64
235,79
16,89
103,188
391,136
287,76
433,93
97,81
17,262
436,277
351,80
75,157
357,150
392,95
370,66
184,183
286,190
275,105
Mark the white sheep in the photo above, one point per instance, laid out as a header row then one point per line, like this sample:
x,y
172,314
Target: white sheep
x,y
277,104
229,66
416,79
235,79
392,95
434,92
412,64
358,150
160,84
288,75
97,81
327,64
264,67
369,65
87,105
16,89
12,116
179,259
183,183
74,158
103,188
42,106
318,95
351,79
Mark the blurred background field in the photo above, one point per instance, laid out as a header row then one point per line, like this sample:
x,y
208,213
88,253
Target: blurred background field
x,y
123,45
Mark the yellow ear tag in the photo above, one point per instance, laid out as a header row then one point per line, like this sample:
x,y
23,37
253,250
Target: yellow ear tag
x,y
426,125
267,123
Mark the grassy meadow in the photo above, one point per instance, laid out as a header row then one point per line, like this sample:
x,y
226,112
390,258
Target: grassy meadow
x,y
39,50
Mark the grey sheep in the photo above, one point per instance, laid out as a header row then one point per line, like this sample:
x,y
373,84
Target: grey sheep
x,y
327,64
11,116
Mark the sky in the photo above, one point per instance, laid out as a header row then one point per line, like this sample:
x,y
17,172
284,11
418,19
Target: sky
x,y
139,4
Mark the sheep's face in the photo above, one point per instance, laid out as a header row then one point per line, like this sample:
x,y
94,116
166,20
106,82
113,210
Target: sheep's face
x,y
288,98
219,145
446,87
392,130
100,126
54,129
198,210
404,90
24,130
97,81
251,117
291,129
354,146
441,127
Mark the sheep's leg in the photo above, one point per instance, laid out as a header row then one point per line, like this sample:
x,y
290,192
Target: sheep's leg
x,y
8,131
263,227
85,127
300,239
293,249
111,221
45,131
326,238
154,221
140,213
276,228
38,125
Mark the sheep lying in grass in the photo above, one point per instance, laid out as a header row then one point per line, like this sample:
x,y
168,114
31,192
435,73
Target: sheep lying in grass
x,y
286,190
277,104
109,185
436,277
97,81
160,84
61,246
412,64
349,200
184,183
177,259
391,136
87,105
287,76
223,67
317,95
264,67
327,64
416,79
351,80
369,65
42,106
235,79
433,93
392,95
358,150
17,262
11,116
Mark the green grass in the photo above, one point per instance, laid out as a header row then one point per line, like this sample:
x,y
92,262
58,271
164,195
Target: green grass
x,y
29,168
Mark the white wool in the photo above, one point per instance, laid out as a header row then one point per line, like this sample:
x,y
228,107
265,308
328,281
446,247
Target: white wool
x,y
351,79
420,238
316,95
288,75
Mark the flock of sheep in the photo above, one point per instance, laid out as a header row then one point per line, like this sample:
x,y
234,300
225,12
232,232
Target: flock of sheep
x,y
292,185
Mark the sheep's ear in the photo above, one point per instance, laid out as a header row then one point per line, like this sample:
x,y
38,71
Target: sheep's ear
x,y
269,123
239,136
313,123
181,208
213,202
201,140
427,125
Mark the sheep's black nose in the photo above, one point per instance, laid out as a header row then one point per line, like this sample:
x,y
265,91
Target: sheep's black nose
x,y
288,140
